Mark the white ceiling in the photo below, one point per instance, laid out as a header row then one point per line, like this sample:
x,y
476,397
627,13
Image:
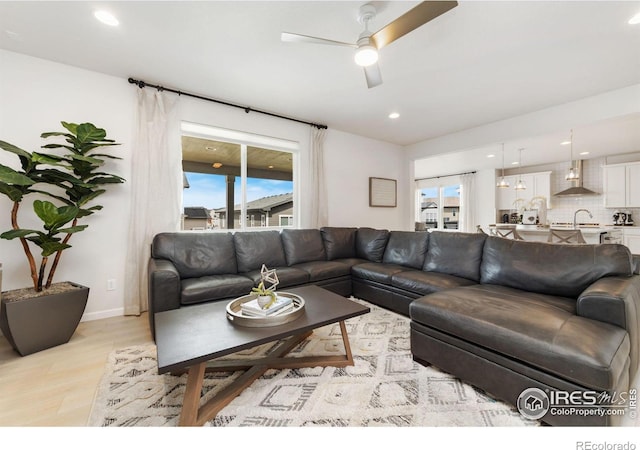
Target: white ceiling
x,y
479,63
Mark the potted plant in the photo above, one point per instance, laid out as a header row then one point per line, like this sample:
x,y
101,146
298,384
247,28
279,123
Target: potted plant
x,y
266,297
48,313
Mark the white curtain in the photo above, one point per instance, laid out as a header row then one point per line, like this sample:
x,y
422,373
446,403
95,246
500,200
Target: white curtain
x,y
319,211
468,202
156,185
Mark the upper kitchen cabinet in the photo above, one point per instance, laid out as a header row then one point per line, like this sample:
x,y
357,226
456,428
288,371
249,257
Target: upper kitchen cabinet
x,y
538,185
622,185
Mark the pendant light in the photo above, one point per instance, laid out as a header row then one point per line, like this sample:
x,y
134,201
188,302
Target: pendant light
x,y
520,186
574,174
502,183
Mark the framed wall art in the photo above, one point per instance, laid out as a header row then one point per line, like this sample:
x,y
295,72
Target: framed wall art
x,y
382,192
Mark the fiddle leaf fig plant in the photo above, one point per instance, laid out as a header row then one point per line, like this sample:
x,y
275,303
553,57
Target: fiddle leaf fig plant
x,y
72,179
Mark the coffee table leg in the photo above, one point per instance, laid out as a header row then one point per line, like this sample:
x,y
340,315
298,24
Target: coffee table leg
x,y
193,414
191,402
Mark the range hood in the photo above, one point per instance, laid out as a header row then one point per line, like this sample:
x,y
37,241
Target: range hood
x,y
578,190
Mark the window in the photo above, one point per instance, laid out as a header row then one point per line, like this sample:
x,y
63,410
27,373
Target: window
x,y
236,180
439,206
285,220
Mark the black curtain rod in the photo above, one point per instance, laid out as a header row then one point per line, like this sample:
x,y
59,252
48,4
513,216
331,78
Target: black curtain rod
x,y
445,176
143,84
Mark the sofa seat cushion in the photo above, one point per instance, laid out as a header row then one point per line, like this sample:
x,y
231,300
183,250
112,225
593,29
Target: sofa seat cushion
x,y
378,272
214,287
532,328
287,276
424,283
352,261
324,270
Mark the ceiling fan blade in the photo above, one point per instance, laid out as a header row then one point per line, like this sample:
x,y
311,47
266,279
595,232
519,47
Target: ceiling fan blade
x,y
301,38
411,20
373,75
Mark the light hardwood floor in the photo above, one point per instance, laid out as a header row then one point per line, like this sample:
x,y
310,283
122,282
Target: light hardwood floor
x,y
56,387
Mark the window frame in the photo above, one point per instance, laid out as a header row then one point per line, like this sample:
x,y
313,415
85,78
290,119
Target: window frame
x,y
246,139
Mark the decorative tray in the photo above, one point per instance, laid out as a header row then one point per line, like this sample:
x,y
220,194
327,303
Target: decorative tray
x,y
234,312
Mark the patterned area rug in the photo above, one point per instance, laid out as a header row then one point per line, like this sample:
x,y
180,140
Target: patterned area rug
x,y
385,387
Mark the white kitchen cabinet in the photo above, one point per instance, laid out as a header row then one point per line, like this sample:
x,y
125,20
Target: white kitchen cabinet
x,y
538,185
542,186
622,186
631,238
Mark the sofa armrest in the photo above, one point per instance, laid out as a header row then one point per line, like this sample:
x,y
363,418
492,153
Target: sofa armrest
x,y
164,288
615,300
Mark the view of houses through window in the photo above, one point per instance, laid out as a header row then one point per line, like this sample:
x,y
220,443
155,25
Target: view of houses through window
x,y
440,206
230,185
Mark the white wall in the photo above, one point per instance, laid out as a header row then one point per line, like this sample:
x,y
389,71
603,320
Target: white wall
x,y
35,95
619,102
351,160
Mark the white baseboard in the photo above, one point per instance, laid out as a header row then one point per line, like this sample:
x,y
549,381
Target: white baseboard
x,y
86,317
98,315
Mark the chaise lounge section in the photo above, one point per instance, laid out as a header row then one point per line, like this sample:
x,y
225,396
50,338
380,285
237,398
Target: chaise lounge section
x,y
502,315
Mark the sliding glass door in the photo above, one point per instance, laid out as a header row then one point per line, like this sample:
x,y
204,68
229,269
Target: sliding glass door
x,y
438,206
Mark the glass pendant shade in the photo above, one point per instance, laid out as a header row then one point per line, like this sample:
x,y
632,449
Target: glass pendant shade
x,y
502,183
573,174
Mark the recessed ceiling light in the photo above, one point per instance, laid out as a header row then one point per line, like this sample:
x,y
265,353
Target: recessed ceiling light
x,y
394,115
584,153
515,163
491,156
635,19
270,167
565,142
107,18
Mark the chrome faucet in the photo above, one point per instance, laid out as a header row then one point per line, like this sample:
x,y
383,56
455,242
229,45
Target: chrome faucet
x,y
576,213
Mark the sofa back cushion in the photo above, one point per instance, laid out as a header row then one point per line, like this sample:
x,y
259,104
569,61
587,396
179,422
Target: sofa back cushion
x,y
339,242
455,253
255,248
554,269
197,254
370,243
302,246
407,248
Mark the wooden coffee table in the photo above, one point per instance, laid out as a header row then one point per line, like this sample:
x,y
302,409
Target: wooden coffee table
x,y
187,339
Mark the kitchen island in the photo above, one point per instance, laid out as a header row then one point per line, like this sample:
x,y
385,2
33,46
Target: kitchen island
x,y
592,234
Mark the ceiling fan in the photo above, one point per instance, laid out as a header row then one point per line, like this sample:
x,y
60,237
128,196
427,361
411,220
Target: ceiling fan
x,y
368,43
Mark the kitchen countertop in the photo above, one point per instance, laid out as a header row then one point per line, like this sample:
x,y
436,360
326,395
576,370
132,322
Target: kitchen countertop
x,y
585,229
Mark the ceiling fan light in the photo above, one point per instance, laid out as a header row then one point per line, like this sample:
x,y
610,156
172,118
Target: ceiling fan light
x,y
366,55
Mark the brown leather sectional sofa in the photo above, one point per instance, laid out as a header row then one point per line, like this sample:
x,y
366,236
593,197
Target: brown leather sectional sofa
x,y
500,314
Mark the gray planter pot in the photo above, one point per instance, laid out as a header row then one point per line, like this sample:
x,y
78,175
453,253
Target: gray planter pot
x,y
38,323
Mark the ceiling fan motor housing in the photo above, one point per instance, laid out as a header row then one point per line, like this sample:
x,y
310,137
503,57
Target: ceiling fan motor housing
x,y
366,13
